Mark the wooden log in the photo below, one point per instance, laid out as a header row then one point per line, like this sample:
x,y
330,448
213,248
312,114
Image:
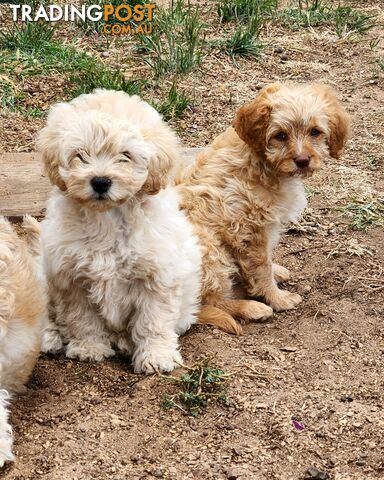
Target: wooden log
x,y
24,188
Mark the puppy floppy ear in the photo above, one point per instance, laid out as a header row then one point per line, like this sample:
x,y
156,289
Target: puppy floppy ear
x,y
165,162
48,145
339,122
160,172
252,120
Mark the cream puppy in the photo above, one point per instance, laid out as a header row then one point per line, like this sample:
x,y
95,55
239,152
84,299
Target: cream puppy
x,y
122,263
22,312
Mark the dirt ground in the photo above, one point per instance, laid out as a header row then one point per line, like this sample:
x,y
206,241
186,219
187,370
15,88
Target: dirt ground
x,y
321,364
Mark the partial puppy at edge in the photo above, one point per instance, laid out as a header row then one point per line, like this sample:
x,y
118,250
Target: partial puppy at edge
x,y
22,317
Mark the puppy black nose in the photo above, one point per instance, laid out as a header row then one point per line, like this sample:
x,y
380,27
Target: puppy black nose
x,y
101,184
302,161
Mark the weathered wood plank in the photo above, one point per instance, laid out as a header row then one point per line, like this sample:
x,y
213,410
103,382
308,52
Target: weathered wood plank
x,y
24,188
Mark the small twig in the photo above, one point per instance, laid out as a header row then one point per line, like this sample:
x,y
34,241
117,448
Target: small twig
x,y
199,388
372,279
374,287
250,368
307,248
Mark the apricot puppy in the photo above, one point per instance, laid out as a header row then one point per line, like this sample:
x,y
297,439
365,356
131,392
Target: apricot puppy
x,y
247,185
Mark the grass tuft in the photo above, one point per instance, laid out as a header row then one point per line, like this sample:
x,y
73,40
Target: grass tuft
x,y
10,95
365,214
201,384
242,10
346,21
176,42
98,75
349,21
28,37
173,105
372,163
244,42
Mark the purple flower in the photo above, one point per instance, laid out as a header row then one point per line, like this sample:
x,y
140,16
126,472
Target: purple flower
x,y
298,425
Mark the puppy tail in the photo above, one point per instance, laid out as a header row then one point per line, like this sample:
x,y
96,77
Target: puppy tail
x,y
210,315
32,230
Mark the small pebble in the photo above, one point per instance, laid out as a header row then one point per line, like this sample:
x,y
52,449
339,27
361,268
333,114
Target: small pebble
x,y
312,473
279,50
284,57
233,474
347,398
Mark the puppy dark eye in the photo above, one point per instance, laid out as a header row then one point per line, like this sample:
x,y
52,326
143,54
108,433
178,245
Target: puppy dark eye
x,y
127,157
281,136
315,132
82,159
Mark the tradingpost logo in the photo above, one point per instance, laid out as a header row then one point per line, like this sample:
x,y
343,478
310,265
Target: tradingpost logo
x,y
114,19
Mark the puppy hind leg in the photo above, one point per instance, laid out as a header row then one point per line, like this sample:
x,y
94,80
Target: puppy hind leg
x,y
217,286
6,438
258,275
247,310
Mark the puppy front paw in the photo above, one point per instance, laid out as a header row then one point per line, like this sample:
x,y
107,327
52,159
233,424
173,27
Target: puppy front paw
x,y
82,350
156,361
280,273
6,454
52,341
6,439
283,300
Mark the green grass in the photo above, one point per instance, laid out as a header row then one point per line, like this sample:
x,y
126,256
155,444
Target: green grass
x,y
98,75
244,42
33,112
365,214
176,44
350,21
372,163
28,36
201,384
173,105
345,21
242,10
29,50
10,95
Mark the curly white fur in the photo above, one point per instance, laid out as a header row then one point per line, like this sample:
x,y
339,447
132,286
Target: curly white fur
x,y
123,268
